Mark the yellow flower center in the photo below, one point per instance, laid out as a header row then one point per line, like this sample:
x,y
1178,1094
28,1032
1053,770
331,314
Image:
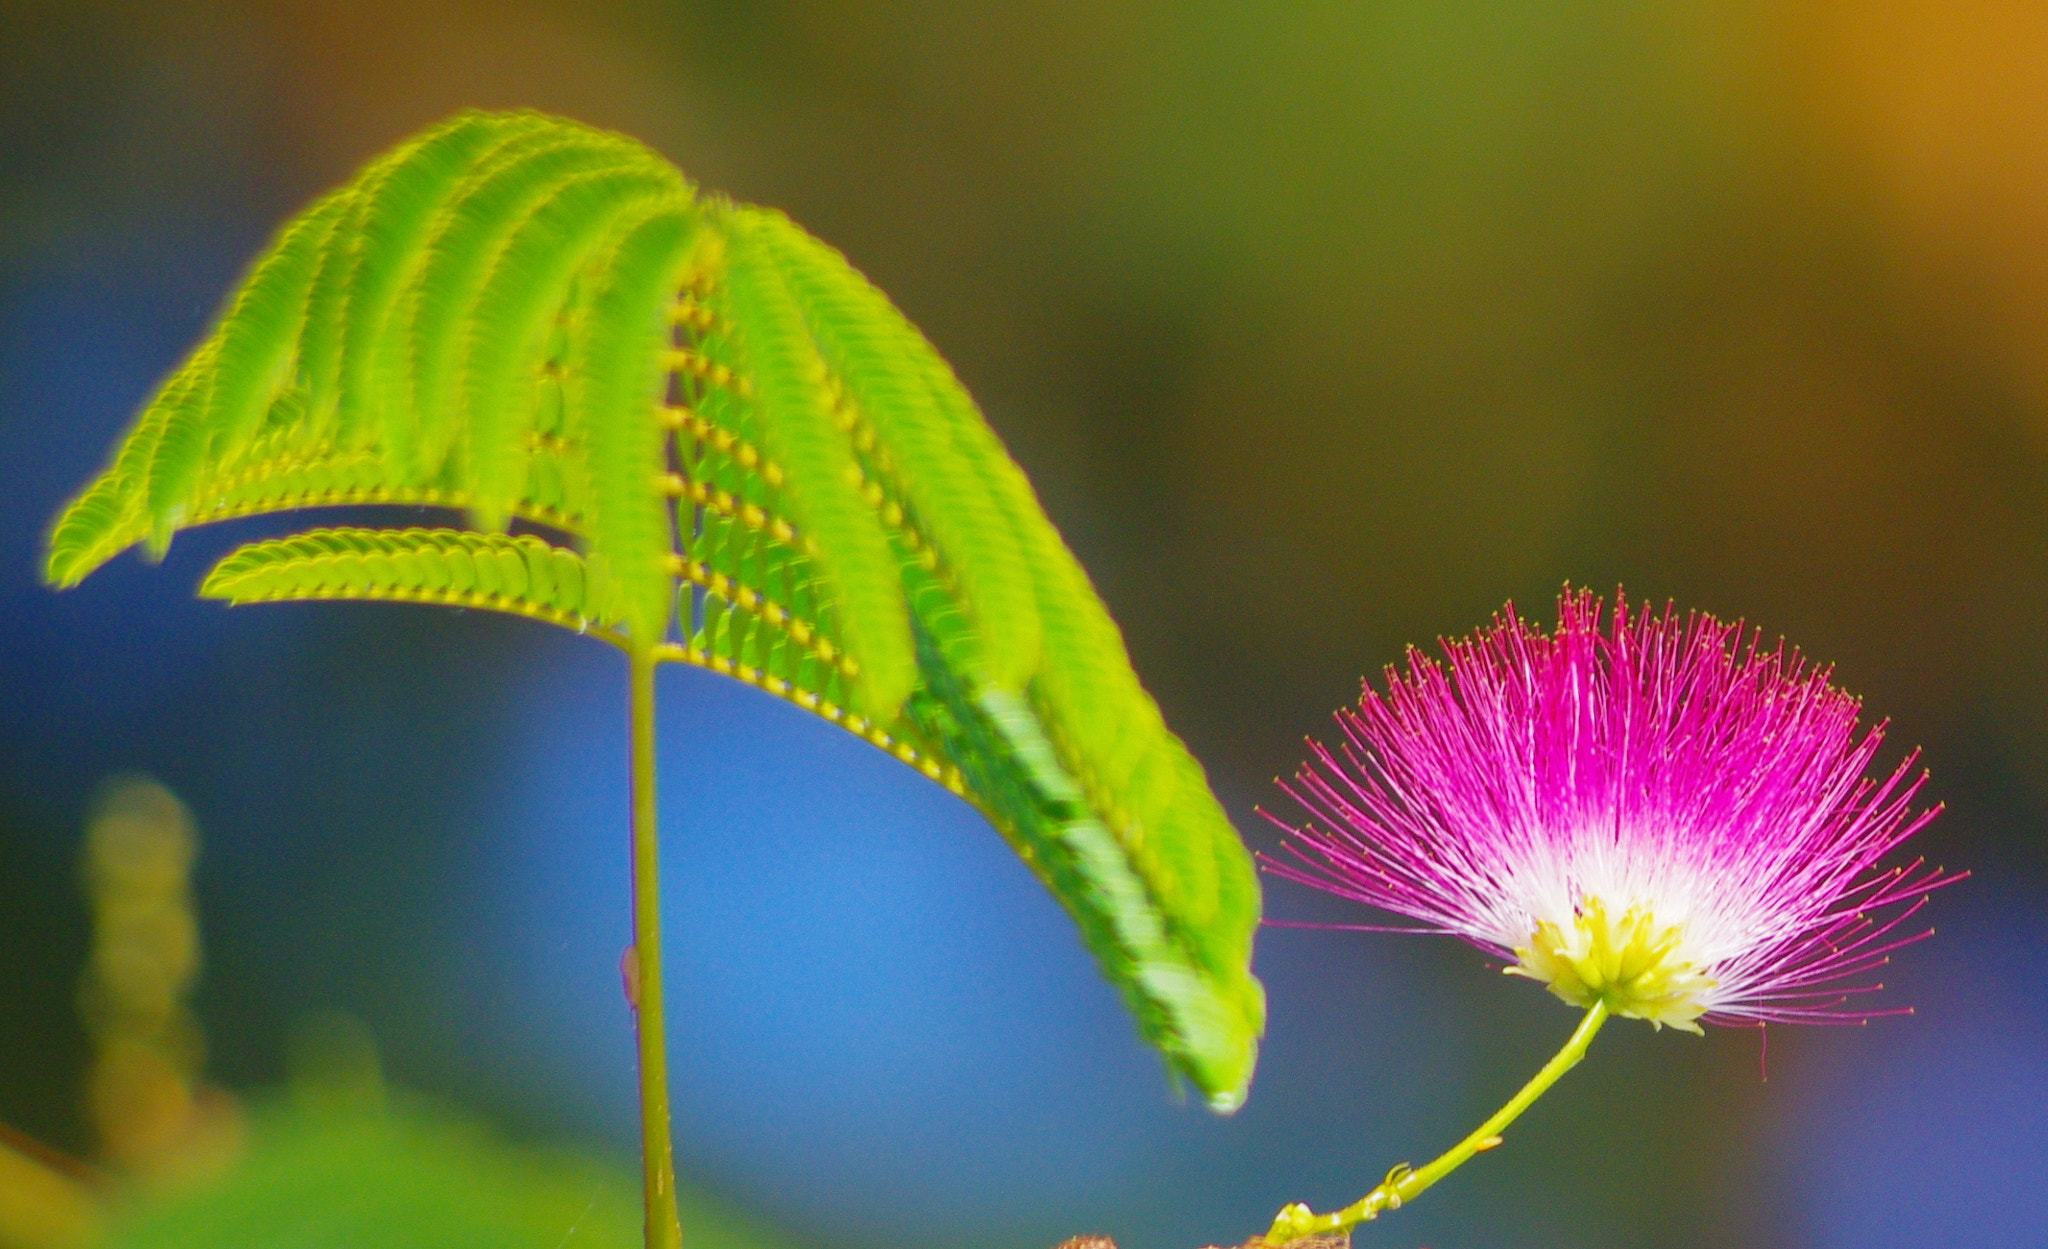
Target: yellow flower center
x,y
1634,963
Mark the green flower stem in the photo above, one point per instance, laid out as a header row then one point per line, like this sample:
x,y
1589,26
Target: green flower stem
x,y
657,1155
1405,1184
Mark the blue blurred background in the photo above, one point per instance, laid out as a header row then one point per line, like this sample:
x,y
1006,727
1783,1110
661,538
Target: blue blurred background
x,y
1322,328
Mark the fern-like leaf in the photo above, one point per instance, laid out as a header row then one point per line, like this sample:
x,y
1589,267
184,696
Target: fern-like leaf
x,y
748,459
519,574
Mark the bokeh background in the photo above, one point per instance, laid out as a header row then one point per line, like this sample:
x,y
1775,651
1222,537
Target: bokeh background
x,y
1322,328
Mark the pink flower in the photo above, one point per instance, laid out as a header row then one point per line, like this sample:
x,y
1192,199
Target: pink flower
x,y
1656,813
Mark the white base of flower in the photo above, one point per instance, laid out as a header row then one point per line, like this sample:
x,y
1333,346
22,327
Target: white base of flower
x,y
1634,964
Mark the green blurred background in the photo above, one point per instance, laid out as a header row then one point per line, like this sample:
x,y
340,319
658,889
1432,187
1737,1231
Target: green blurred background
x,y
1323,329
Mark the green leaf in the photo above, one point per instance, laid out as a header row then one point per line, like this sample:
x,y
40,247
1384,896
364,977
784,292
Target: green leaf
x,y
790,389
746,458
615,387
887,396
522,575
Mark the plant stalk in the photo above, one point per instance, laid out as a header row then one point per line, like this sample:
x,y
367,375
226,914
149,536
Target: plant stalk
x,y
1403,1184
657,1153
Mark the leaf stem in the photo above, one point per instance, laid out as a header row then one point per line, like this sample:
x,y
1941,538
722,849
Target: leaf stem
x,y
657,1154
1403,1184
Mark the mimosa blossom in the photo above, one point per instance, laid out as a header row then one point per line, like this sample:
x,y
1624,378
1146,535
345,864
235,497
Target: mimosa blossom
x,y
1657,812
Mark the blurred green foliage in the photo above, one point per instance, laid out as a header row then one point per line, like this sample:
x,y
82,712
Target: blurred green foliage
x,y
411,1174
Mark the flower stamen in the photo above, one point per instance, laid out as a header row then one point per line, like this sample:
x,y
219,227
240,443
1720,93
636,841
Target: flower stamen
x,y
1634,964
